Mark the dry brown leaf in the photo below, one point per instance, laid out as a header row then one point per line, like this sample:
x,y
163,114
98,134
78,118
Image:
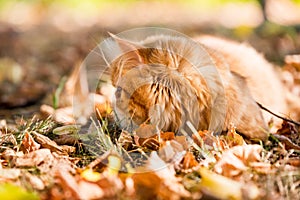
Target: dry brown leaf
x,y
146,135
183,141
108,181
171,152
188,162
237,159
47,110
262,167
68,149
34,158
287,129
9,154
129,188
233,138
126,140
111,185
167,136
294,162
145,131
287,142
60,162
28,144
288,135
173,189
204,138
9,174
90,190
151,144
293,60
144,185
46,142
68,183
35,181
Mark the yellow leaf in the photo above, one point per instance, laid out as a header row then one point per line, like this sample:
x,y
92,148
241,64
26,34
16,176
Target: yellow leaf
x,y
220,186
114,164
90,175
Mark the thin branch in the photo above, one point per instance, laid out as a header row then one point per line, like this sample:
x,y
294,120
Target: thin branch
x,y
278,116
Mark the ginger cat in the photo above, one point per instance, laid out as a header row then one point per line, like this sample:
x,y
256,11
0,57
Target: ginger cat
x,y
210,82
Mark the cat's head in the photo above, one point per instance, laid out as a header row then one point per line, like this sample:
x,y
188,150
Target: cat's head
x,y
158,81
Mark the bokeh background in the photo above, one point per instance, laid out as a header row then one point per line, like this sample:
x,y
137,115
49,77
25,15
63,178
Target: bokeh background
x,y
42,40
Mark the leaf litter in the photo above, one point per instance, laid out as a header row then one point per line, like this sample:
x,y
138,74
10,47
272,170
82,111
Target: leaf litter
x,y
56,158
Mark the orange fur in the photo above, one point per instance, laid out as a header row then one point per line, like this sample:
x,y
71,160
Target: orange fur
x,y
162,85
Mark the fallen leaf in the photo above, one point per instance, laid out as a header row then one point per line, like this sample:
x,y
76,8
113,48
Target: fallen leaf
x,y
33,158
171,152
167,136
114,165
188,163
183,141
90,190
293,60
233,138
203,138
146,135
69,185
287,142
237,159
150,144
28,144
287,129
294,162
110,184
9,174
145,131
144,185
46,142
8,154
35,181
170,188
68,149
219,186
90,175
126,140
12,192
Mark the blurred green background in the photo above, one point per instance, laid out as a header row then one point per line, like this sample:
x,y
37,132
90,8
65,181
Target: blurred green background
x,y
43,40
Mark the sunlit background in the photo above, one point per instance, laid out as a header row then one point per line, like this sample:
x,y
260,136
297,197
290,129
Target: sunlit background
x,y
42,40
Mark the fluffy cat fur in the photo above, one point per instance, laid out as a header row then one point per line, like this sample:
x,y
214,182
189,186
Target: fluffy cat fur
x,y
162,85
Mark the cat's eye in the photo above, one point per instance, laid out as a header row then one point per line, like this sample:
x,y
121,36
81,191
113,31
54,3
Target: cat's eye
x,y
118,92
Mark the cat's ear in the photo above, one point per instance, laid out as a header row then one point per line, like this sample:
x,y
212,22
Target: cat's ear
x,y
130,49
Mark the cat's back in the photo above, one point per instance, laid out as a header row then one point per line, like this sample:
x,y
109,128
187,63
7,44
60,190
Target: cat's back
x,y
260,75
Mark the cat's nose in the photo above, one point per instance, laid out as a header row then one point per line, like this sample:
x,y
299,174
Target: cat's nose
x,y
118,92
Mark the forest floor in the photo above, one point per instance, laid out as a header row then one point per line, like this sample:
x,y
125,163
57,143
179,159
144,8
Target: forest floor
x,y
43,155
